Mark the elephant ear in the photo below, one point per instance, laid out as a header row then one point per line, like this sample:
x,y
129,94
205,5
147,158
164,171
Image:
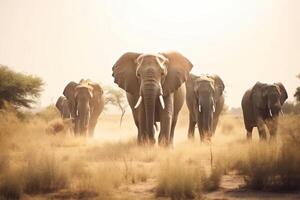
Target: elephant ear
x,y
178,68
283,93
259,95
190,82
69,90
59,102
97,90
124,73
219,85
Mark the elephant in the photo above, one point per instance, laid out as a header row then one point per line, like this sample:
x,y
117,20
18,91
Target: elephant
x,y
261,106
154,90
205,101
62,104
86,103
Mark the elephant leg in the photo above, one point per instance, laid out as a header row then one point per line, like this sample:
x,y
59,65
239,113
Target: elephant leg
x,y
201,133
174,122
249,133
215,122
272,125
261,129
92,125
191,131
166,121
76,128
141,124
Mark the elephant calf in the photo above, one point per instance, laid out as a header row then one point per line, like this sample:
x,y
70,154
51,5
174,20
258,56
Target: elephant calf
x,y
261,106
62,104
205,101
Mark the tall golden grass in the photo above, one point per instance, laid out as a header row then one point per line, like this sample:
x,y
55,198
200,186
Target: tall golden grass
x,y
36,163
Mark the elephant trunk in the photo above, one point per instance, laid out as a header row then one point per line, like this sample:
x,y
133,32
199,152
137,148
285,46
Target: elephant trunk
x,y
150,93
83,117
206,109
274,108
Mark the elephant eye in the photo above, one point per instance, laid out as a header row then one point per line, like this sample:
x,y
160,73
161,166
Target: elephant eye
x,y
138,74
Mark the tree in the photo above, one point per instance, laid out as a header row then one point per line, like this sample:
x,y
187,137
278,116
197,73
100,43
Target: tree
x,y
116,98
19,90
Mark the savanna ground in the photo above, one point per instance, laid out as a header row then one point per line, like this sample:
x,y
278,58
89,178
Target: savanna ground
x,y
37,164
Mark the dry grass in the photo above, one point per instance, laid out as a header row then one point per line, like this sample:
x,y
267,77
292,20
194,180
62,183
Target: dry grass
x,y
61,166
44,173
272,168
186,171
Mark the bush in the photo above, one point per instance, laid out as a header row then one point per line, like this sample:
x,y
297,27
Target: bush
x,y
11,185
180,180
100,181
273,168
212,182
43,174
175,180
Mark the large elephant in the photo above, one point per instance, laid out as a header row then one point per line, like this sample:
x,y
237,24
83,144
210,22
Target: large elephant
x,y
86,103
261,106
155,91
205,101
62,104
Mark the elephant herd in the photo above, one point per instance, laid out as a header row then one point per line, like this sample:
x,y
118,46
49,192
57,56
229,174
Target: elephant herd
x,y
82,102
155,90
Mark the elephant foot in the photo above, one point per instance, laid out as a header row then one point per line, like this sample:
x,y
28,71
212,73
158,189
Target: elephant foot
x,y
202,138
191,137
273,138
263,136
249,136
163,142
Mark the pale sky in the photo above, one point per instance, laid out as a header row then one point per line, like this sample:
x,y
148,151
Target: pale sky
x,y
64,40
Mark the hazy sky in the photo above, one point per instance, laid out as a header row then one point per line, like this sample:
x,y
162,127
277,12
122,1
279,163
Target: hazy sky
x,y
64,40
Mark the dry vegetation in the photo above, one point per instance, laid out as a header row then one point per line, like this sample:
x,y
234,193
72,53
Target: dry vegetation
x,y
35,163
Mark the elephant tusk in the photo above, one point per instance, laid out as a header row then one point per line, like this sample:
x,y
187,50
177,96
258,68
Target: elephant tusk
x,y
138,102
214,108
200,110
160,89
161,100
270,112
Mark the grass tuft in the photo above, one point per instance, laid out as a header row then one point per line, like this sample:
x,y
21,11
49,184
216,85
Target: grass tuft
x,y
43,174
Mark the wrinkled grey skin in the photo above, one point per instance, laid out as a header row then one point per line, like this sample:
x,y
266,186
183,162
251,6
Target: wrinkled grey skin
x,y
205,101
86,103
261,106
152,76
62,104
